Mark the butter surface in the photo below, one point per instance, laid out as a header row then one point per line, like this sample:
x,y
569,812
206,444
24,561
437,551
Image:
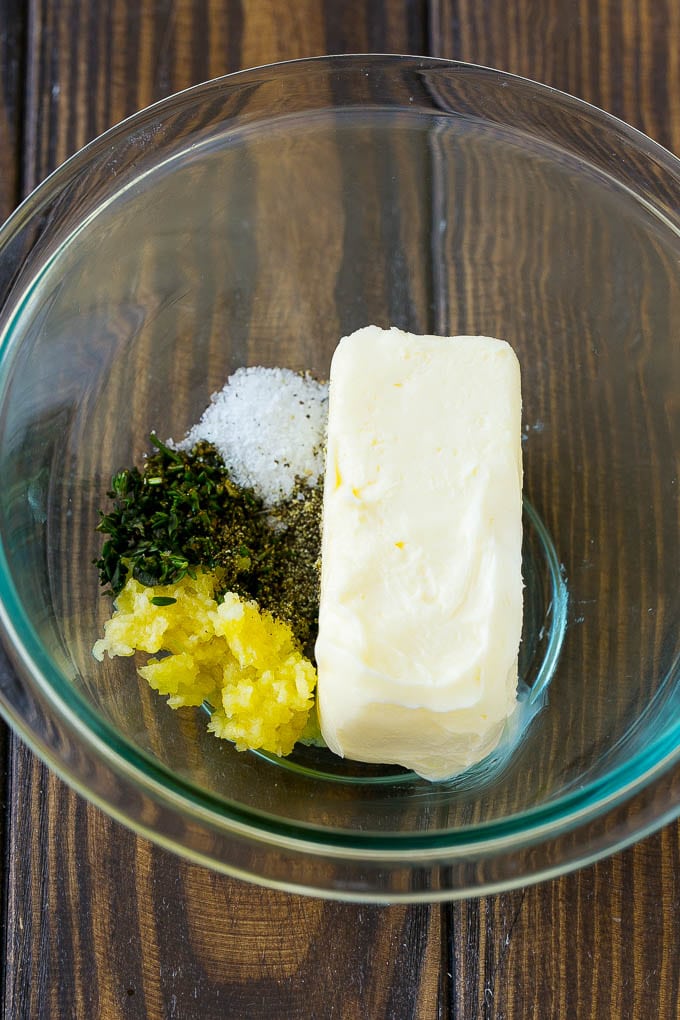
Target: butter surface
x,y
421,589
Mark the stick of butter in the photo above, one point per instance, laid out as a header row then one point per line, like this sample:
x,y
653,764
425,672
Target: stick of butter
x,y
421,580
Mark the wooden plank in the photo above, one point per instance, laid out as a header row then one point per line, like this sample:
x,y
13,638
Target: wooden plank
x,y
598,942
621,55
12,49
12,40
100,923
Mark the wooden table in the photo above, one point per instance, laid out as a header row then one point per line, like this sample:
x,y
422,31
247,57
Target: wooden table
x,y
101,924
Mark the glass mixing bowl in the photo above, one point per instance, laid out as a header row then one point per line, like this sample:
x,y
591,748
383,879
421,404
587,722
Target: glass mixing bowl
x,y
255,220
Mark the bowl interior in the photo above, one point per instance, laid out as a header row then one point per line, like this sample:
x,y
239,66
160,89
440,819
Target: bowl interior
x,y
258,223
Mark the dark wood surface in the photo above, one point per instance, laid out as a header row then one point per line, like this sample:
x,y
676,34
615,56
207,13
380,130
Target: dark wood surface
x,y
99,923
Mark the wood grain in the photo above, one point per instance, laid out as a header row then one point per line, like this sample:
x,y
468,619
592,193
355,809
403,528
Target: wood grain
x,y
621,55
110,926
12,53
12,50
100,923
596,943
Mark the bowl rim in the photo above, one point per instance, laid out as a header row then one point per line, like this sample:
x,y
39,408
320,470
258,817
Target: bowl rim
x,y
562,814
73,161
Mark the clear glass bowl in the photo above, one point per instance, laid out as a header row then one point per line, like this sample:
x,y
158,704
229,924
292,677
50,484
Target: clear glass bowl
x,y
254,220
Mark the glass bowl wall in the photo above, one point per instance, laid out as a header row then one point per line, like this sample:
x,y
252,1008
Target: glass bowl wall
x,y
255,220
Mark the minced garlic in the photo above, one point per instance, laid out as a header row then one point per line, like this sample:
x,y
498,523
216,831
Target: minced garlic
x,y
241,661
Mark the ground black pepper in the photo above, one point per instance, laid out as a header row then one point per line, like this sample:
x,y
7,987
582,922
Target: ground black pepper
x,y
291,589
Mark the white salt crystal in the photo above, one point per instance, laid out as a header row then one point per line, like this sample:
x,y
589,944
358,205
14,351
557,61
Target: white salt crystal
x,y
269,426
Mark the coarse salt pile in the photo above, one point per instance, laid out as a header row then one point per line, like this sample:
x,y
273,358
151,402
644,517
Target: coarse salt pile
x,y
269,426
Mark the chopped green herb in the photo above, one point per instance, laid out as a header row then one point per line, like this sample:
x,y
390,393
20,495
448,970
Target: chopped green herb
x,y
183,511
162,600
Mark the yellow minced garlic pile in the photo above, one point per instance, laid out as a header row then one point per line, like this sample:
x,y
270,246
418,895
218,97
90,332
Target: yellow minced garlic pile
x,y
240,660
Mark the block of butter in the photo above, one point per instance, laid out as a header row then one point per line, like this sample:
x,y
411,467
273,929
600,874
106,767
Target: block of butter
x,y
421,580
